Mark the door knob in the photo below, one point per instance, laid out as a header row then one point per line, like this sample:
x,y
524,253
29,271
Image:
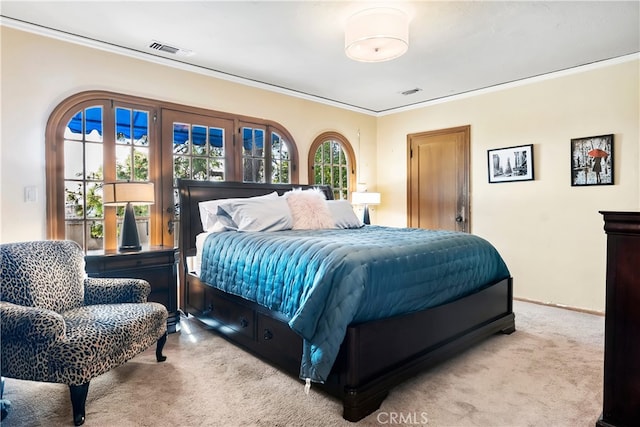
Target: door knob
x,y
458,218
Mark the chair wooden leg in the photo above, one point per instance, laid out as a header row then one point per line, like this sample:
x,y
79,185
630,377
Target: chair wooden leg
x,y
159,347
78,401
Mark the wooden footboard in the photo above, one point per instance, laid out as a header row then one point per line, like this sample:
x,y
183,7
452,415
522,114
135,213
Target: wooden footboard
x,y
375,356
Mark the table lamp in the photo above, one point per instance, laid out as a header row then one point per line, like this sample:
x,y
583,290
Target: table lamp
x,y
127,194
365,198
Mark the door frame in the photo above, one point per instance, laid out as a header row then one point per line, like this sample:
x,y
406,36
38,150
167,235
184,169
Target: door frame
x,y
464,196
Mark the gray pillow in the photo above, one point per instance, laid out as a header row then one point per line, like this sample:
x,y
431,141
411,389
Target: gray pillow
x,y
343,214
265,214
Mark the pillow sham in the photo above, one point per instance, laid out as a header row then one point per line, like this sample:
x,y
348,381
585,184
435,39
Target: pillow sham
x,y
209,210
266,214
309,209
343,214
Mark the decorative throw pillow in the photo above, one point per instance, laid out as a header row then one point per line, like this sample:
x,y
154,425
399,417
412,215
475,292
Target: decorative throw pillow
x,y
209,210
309,209
343,214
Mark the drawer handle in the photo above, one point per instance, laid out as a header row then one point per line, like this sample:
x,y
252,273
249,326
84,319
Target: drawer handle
x,y
208,310
267,335
244,322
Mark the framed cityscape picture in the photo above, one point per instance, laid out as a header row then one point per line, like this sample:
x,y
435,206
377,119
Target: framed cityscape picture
x,y
592,160
511,164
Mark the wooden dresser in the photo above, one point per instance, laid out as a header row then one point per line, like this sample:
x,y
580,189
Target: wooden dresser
x,y
621,402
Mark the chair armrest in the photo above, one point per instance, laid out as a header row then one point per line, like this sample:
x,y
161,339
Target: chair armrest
x,y
115,291
20,323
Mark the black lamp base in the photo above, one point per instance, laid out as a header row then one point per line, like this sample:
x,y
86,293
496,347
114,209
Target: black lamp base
x,y
366,219
129,234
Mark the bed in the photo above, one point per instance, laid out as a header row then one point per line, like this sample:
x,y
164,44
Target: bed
x,y
358,368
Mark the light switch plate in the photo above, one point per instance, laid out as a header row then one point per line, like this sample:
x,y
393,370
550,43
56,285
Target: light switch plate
x,y
31,194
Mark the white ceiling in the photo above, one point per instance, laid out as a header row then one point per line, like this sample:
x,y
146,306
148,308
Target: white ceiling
x,y
298,46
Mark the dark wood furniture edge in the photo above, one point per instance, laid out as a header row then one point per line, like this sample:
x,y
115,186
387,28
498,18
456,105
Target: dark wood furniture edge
x,y
197,191
621,376
621,222
94,261
359,380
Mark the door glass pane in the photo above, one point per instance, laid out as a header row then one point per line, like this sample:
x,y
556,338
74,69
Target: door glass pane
x,y
253,170
95,235
199,140
74,200
94,207
74,129
132,164
216,141
180,138
335,182
123,126
247,141
216,170
93,124
93,161
141,127
141,164
253,154
123,163
199,168
74,230
181,168
73,159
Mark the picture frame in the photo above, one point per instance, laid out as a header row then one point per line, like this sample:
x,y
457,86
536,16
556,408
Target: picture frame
x,y
592,161
511,164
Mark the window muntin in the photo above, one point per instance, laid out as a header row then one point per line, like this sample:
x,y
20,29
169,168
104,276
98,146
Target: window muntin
x,y
253,155
132,144
331,163
83,178
280,160
87,145
95,137
198,152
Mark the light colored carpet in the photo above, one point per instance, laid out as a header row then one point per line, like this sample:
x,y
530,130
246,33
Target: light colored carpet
x,y
549,372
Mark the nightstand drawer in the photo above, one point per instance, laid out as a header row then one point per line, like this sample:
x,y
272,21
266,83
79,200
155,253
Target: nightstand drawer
x,y
127,262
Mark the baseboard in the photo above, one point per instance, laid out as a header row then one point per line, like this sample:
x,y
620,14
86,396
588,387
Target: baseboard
x,y
566,307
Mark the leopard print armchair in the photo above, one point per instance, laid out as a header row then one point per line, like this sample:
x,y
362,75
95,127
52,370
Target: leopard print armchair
x,y
60,326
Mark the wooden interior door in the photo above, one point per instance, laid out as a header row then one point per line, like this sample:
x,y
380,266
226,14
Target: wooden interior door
x,y
438,187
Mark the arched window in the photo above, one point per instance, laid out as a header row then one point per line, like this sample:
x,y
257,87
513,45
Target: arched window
x,y
97,137
332,162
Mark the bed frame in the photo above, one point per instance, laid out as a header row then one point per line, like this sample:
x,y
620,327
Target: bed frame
x,y
375,356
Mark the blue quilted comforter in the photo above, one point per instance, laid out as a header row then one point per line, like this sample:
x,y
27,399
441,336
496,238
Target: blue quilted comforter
x,y
323,280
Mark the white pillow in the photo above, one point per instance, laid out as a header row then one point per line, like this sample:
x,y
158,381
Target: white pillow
x,y
343,214
256,214
309,209
209,210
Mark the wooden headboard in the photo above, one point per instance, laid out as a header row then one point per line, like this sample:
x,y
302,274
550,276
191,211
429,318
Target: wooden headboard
x,y
193,192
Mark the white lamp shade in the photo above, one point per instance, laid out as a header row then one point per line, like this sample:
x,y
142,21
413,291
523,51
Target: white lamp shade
x,y
121,193
376,35
365,198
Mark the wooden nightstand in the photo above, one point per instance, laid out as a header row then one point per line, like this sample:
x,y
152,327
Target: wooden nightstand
x,y
156,264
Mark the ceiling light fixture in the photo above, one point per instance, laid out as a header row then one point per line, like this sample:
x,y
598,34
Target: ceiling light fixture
x,y
376,35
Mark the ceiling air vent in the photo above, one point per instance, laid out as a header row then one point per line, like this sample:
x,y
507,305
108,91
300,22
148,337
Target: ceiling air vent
x,y
170,49
410,91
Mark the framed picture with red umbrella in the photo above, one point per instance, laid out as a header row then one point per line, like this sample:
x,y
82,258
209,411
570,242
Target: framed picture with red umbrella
x,y
592,160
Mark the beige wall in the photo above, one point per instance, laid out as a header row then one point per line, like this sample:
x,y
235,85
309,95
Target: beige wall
x,y
550,234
